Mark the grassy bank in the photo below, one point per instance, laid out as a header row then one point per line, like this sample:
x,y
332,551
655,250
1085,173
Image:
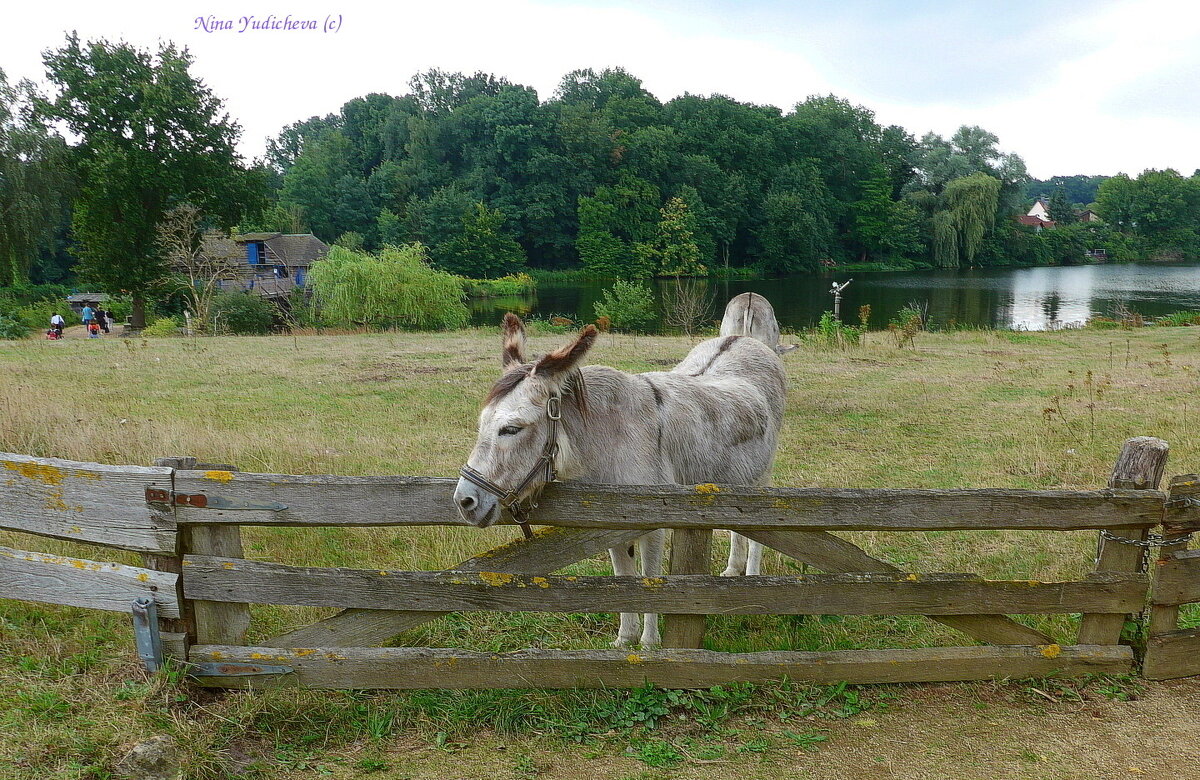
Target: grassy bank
x,y
970,409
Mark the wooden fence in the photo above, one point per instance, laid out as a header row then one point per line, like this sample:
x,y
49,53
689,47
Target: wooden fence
x,y
185,518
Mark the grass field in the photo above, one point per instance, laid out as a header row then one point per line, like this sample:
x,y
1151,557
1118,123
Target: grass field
x,y
968,409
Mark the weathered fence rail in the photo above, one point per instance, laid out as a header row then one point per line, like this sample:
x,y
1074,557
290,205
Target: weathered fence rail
x,y
185,518
229,498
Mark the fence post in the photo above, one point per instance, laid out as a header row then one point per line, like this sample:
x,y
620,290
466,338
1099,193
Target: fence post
x,y
1140,466
691,553
1164,618
176,633
212,622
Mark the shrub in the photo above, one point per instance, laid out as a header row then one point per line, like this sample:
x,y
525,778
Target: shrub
x,y
36,314
241,314
627,305
909,321
1177,318
11,329
833,333
513,284
162,327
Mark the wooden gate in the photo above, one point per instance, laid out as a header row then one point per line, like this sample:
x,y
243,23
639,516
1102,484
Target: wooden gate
x,y
186,517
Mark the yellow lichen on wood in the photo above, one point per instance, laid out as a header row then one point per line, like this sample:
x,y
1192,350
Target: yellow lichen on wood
x,y
653,582
1051,651
38,472
495,578
707,488
541,582
913,577
633,658
219,476
301,652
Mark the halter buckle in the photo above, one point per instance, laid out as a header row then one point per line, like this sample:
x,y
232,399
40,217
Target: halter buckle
x,y
554,407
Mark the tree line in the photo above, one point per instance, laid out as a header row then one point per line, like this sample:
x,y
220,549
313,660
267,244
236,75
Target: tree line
x,y
489,178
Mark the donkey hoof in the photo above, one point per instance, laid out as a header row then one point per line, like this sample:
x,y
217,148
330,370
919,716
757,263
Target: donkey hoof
x,y
621,644
731,573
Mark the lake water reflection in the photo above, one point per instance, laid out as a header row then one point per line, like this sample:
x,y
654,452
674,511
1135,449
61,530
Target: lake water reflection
x,y
1021,298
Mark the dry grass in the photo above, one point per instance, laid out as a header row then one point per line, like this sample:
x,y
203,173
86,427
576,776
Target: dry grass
x,y
973,409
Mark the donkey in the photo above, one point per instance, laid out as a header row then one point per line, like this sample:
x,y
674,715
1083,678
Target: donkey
x,y
715,417
750,314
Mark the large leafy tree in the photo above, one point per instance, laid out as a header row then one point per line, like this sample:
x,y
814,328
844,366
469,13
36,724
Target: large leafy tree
x,y
884,227
797,231
151,135
483,250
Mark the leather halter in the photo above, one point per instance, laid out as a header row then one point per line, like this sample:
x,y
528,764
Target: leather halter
x,y
511,499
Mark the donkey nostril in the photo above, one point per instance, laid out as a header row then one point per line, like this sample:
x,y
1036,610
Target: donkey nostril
x,y
467,502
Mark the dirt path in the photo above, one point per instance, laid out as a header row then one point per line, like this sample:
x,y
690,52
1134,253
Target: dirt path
x,y
78,332
940,732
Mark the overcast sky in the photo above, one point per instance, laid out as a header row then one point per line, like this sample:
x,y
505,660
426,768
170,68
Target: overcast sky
x,y
1097,87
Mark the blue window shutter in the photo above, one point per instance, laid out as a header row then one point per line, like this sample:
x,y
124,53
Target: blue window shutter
x,y
252,253
300,276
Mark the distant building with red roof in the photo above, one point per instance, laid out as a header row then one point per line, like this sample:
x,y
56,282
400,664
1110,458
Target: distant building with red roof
x,y
1034,221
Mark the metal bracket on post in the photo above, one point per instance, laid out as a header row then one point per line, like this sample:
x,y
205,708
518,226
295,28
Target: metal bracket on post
x,y
145,633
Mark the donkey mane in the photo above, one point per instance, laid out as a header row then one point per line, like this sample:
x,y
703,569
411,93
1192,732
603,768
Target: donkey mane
x,y
574,389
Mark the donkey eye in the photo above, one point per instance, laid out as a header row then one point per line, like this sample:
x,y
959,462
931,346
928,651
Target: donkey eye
x,y
510,430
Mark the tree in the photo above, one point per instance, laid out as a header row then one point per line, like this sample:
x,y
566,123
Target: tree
x,y
674,247
199,266
395,288
1060,208
390,228
150,136
34,185
797,230
968,215
483,250
1117,202
884,227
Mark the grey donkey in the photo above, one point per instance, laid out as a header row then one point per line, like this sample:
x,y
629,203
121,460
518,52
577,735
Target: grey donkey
x,y
715,417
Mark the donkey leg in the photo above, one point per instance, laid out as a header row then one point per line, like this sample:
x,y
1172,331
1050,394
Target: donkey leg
x,y
754,557
624,565
653,545
737,555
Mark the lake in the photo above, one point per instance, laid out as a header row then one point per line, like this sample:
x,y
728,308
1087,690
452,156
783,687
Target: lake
x,y
1017,298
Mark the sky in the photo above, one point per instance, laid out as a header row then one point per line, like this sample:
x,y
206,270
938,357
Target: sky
x,y
1089,88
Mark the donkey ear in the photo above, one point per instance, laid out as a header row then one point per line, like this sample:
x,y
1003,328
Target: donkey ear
x,y
567,358
513,351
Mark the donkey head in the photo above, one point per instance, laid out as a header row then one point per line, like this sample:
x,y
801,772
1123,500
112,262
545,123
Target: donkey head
x,y
521,442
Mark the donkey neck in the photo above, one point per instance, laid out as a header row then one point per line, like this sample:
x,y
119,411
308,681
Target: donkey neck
x,y
616,440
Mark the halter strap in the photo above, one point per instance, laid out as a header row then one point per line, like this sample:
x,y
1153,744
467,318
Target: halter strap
x,y
511,499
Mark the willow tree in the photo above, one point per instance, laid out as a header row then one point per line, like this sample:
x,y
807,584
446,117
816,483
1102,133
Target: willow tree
x,y
33,184
968,214
395,288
